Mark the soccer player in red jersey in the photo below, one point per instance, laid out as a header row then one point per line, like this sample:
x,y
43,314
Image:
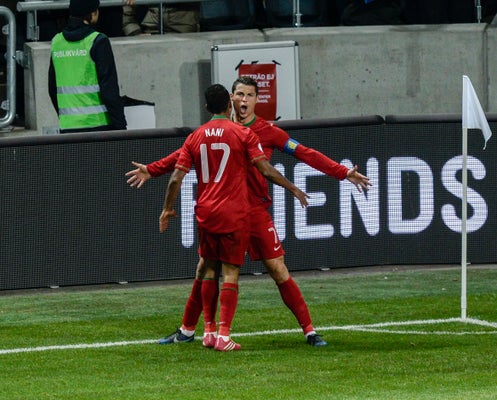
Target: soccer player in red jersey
x,y
221,151
264,242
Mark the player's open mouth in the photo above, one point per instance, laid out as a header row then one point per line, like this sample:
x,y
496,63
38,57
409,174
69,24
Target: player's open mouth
x,y
243,109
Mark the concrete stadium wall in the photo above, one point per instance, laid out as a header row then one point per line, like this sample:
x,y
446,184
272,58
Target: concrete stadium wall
x,y
344,71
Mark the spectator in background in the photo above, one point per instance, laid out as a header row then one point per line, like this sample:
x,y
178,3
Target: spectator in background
x,y
372,12
82,78
439,11
50,22
176,18
260,14
110,20
489,9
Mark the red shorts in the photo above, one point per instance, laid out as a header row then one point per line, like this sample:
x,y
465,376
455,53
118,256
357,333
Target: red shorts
x,y
225,247
264,243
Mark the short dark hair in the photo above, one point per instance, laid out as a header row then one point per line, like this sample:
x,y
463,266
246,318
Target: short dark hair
x,y
217,98
245,80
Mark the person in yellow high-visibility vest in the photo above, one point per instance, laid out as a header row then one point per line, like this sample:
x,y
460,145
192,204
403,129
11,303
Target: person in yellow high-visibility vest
x,y
82,78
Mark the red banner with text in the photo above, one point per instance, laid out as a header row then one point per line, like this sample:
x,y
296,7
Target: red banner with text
x,y
265,76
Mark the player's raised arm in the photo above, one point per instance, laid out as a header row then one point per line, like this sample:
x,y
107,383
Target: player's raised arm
x,y
137,177
360,181
271,173
326,165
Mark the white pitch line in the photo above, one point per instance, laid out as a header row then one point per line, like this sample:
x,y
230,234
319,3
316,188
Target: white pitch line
x,y
75,346
416,322
441,333
375,328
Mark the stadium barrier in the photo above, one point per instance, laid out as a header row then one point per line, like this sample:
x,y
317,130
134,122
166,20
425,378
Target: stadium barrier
x,y
344,71
31,7
69,218
7,89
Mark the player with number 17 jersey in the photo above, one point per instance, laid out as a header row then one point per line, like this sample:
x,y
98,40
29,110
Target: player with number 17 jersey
x,y
221,152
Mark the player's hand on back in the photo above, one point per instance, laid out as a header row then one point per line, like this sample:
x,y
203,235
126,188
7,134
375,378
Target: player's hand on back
x,y
302,197
164,219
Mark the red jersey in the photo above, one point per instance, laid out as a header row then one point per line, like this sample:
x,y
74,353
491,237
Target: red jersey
x,y
221,152
271,137
164,165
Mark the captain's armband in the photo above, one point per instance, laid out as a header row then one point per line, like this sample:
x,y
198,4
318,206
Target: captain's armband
x,y
290,146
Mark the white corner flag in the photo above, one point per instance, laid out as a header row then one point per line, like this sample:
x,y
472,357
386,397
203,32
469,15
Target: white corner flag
x,y
473,116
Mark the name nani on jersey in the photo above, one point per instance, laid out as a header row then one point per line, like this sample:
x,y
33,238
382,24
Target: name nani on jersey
x,y
214,132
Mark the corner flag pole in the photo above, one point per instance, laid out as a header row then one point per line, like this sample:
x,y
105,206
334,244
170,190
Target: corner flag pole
x,y
464,218
473,117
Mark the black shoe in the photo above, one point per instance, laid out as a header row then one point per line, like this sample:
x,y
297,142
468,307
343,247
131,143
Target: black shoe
x,y
176,337
315,340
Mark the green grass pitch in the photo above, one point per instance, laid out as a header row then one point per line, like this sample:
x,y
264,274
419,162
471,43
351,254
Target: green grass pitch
x,y
393,334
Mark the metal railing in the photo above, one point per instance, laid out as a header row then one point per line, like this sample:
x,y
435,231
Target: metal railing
x,y
9,31
30,7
